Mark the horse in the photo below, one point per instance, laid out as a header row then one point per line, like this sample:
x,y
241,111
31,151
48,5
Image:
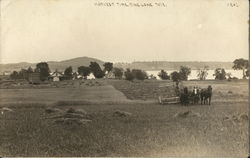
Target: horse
x,y
184,96
195,96
206,95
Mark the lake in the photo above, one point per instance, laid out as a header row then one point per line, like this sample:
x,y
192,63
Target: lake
x,y
193,75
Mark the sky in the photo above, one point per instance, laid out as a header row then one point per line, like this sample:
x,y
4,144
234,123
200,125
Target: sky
x,y
55,30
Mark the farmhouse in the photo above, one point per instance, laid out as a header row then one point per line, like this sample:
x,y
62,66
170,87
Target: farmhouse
x,y
110,75
55,76
6,73
34,78
91,76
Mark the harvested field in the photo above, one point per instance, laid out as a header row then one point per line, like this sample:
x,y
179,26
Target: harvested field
x,y
23,84
80,124
52,95
150,90
144,90
149,131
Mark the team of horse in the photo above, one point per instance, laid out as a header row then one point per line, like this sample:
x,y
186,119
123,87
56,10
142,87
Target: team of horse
x,y
203,95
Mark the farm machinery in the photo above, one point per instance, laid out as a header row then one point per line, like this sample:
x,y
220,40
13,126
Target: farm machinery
x,y
168,94
173,94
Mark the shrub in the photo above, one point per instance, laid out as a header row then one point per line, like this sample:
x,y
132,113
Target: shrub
x,y
202,73
175,76
139,74
14,75
164,75
96,69
184,72
84,71
128,75
68,73
118,72
108,66
220,74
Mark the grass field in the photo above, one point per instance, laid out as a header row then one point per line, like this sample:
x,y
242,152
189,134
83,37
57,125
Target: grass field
x,y
149,129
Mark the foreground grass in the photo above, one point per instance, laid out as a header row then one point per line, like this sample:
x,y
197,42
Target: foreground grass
x,y
151,130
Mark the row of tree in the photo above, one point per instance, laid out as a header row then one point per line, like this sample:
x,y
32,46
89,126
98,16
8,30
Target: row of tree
x,y
98,72
181,75
42,68
95,68
219,73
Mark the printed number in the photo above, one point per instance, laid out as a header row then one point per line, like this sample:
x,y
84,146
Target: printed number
x,y
232,4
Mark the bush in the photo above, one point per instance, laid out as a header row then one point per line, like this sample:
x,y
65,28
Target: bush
x,y
164,75
220,74
175,76
184,73
96,69
108,67
128,75
118,72
202,73
68,73
43,69
84,71
139,74
14,75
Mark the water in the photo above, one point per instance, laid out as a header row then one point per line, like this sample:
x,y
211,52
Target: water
x,y
193,75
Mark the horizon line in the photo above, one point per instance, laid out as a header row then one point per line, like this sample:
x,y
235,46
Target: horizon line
x,y
3,63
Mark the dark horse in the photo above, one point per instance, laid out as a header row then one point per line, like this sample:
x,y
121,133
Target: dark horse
x,y
184,97
206,95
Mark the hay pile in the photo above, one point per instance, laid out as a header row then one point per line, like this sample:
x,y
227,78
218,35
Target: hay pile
x,y
4,110
236,118
69,117
119,113
186,114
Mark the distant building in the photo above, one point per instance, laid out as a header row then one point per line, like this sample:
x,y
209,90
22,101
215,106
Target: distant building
x,y
110,75
91,76
34,78
75,76
55,76
7,73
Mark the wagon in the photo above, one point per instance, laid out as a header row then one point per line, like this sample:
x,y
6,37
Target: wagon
x,y
168,94
169,100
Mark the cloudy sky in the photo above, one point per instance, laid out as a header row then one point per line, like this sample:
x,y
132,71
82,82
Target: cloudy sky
x,y
197,30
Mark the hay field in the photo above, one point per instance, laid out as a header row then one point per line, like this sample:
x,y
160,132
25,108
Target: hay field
x,y
114,125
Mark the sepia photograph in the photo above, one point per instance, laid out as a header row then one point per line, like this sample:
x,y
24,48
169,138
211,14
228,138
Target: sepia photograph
x,y
124,78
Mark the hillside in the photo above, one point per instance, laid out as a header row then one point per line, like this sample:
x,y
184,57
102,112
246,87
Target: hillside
x,y
59,65
166,65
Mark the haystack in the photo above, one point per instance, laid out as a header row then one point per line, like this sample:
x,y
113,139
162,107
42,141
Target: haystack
x,y
187,114
121,113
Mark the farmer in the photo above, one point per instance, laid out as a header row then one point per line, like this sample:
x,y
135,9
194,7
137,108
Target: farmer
x,y
184,96
177,90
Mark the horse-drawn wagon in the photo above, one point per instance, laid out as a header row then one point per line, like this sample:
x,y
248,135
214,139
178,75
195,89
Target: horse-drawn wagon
x,y
182,95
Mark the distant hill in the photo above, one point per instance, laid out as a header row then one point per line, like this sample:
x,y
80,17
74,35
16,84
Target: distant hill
x,y
59,65
144,65
167,65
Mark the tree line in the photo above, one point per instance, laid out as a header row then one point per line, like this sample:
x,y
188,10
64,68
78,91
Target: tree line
x,y
129,74
219,73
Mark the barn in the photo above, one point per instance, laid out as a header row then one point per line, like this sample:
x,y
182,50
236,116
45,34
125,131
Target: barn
x,y
34,78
